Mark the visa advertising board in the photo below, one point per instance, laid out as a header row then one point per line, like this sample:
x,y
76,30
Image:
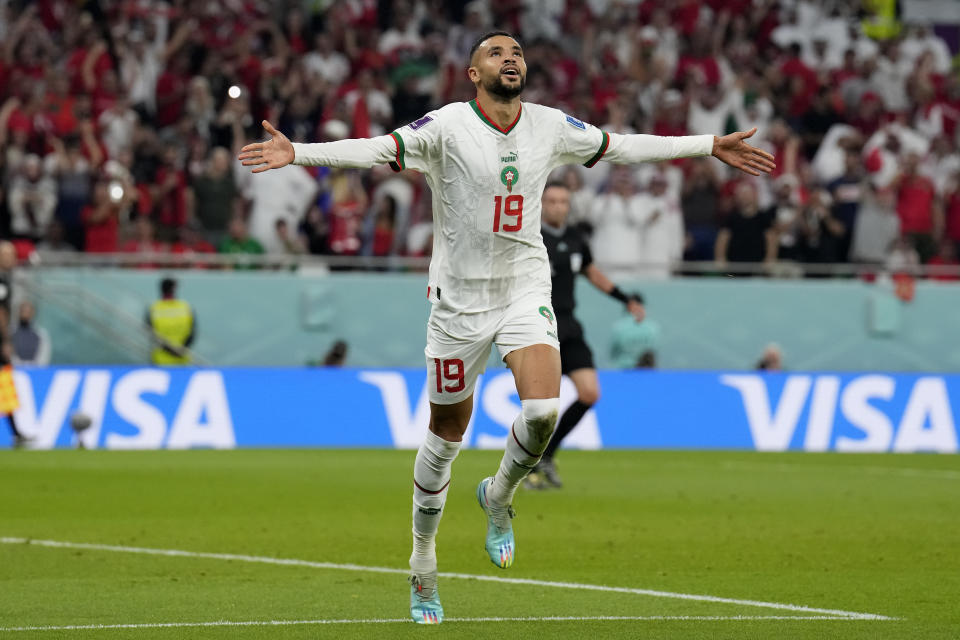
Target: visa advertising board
x,y
150,408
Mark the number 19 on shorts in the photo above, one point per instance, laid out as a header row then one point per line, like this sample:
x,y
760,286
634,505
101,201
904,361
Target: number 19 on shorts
x,y
449,371
509,207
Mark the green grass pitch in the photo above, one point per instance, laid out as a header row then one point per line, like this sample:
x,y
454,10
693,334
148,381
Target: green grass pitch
x,y
856,533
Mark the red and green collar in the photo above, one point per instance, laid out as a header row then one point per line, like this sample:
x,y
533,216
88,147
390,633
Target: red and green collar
x,y
477,109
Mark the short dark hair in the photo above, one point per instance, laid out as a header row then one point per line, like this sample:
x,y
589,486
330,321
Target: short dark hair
x,y
168,286
556,183
479,41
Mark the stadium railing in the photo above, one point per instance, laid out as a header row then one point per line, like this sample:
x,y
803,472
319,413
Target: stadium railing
x,y
159,260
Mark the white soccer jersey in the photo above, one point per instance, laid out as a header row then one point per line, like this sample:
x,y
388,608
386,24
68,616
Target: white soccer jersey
x,y
487,182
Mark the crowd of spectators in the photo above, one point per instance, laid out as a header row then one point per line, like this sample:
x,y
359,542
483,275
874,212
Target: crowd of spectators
x,y
120,121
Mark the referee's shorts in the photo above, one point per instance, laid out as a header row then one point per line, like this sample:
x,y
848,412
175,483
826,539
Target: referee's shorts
x,y
574,352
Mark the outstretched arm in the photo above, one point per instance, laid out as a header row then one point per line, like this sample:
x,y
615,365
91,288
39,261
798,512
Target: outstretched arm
x,y
730,149
278,152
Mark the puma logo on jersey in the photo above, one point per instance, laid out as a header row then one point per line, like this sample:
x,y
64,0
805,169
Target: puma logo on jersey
x,y
510,157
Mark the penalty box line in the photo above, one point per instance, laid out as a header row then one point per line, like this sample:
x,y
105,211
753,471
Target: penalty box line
x,y
287,623
464,576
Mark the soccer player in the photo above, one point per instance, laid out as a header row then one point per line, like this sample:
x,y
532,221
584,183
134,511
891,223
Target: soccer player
x,y
486,162
569,255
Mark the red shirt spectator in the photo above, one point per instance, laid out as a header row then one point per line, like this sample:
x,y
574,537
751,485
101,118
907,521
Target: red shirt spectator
x,y
4,78
105,94
942,260
953,215
144,242
868,115
295,32
946,257
75,64
172,90
847,70
563,71
189,244
706,67
24,248
915,204
671,117
181,247
382,241
170,192
605,90
345,220
20,121
794,67
101,221
250,69
61,108
733,7
685,16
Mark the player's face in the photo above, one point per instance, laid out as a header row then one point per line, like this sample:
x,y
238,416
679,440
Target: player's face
x,y
555,206
498,66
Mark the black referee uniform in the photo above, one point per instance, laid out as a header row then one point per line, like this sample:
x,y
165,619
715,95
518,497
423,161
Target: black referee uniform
x,y
569,256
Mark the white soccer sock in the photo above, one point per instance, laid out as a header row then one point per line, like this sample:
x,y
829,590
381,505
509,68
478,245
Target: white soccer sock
x,y
525,444
431,477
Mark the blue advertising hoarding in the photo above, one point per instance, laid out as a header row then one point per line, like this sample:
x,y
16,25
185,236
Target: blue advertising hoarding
x,y
149,408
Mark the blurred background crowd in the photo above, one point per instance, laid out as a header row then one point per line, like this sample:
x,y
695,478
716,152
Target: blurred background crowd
x,y
120,122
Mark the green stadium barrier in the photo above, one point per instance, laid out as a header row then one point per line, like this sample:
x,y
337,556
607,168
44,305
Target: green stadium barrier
x,y
261,318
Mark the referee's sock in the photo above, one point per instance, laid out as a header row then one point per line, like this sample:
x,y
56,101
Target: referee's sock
x,y
13,426
431,478
570,419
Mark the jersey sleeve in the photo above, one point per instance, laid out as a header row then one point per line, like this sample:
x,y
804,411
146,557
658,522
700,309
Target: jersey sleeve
x,y
579,142
360,153
632,149
417,143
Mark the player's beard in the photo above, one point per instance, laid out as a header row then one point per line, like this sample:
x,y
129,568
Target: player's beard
x,y
495,87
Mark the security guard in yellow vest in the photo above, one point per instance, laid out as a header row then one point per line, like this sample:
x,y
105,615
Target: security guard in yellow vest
x,y
882,21
173,326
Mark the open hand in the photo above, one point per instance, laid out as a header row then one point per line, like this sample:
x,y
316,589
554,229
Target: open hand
x,y
732,150
272,154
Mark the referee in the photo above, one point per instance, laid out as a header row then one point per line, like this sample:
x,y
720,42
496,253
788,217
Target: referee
x,y
569,255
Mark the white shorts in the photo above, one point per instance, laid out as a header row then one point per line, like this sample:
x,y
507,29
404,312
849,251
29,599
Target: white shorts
x,y
458,344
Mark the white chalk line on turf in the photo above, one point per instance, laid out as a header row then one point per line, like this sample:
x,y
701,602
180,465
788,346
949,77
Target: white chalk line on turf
x,y
464,576
909,472
286,623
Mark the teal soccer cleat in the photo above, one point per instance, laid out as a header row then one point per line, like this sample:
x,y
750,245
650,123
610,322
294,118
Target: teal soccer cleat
x,y
500,545
425,607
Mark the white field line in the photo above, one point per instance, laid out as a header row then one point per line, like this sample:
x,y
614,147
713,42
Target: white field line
x,y
909,472
465,576
286,623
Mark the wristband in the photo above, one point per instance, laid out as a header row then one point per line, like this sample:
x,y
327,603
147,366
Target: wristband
x,y
616,294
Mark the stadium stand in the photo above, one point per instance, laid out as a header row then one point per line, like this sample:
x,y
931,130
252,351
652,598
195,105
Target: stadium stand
x,y
116,112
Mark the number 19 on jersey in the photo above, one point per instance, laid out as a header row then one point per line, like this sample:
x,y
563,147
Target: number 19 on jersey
x,y
510,207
